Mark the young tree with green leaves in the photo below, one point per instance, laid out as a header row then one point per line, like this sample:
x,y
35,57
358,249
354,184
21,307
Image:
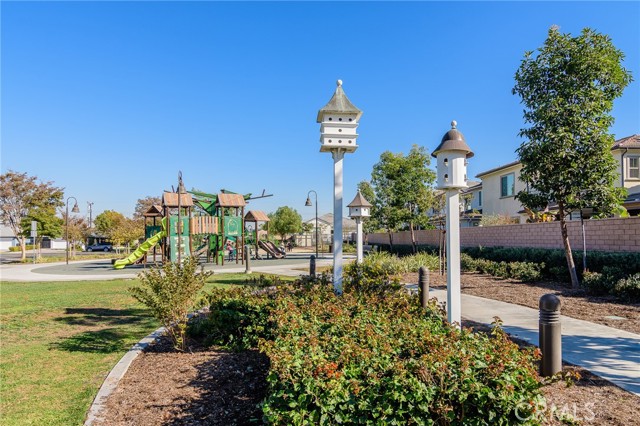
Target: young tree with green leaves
x,y
285,221
568,88
23,199
403,188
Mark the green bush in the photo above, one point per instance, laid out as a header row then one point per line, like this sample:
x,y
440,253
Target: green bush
x,y
17,248
523,271
237,318
413,262
628,288
378,273
362,359
170,293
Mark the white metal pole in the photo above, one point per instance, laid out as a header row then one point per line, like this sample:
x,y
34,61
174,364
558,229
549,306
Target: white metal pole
x,y
338,157
453,257
360,256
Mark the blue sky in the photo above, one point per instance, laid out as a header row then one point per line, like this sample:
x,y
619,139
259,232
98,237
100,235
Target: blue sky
x,y
111,99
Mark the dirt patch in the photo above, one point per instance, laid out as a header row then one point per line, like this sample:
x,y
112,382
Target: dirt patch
x,y
574,303
201,387
581,395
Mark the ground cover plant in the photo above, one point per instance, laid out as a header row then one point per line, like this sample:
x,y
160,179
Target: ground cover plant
x,y
373,358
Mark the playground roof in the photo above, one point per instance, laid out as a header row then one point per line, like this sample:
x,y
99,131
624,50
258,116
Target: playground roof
x,y
170,199
256,216
153,211
231,200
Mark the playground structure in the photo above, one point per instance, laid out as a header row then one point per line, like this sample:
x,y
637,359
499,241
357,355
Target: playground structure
x,y
194,223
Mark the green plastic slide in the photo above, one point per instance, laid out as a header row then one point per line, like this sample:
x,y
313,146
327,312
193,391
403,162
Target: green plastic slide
x,y
141,250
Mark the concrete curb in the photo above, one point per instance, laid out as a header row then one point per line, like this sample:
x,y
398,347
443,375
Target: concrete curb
x,y
116,374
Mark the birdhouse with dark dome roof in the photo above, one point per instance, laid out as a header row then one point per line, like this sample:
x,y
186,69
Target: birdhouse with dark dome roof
x,y
451,155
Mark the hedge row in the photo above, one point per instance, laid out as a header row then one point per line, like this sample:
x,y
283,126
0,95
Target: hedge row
x,y
371,359
554,260
523,271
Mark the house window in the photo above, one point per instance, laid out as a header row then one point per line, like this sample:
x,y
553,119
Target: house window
x,y
633,168
507,185
479,198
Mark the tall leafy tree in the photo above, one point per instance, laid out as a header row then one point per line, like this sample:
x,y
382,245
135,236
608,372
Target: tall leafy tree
x,y
107,223
568,88
403,187
285,221
23,199
144,204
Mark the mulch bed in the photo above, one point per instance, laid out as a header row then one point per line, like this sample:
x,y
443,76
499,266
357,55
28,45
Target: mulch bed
x,y
206,386
574,303
200,387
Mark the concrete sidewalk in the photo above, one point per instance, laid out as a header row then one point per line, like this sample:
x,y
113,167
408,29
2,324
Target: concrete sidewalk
x,y
608,352
101,269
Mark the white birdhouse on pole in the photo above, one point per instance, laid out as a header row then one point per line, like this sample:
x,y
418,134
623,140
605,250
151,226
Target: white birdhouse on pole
x,y
452,155
338,123
359,208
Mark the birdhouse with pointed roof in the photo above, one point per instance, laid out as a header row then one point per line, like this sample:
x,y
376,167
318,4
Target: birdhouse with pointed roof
x,y
451,155
338,123
359,207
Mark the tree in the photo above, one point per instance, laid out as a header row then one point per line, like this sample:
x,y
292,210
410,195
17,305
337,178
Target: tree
x,y
568,89
285,221
144,204
120,230
23,198
403,191
78,231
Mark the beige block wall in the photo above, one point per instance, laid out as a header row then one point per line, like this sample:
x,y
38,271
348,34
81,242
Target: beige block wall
x,y
604,234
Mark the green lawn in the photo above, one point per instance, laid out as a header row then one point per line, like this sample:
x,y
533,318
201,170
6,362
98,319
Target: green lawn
x,y
59,340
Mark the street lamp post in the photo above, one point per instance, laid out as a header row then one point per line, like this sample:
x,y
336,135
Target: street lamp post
x,y
75,209
308,204
338,123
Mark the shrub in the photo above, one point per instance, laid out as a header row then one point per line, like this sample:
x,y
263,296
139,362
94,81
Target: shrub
x,y
628,288
170,293
367,360
413,262
237,318
17,248
378,273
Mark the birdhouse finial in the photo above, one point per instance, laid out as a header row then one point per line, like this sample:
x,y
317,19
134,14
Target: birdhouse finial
x,y
339,83
454,123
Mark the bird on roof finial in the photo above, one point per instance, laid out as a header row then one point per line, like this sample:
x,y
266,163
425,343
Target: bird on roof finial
x,y
339,83
454,123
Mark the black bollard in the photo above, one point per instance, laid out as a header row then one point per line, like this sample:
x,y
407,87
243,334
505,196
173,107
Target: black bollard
x,y
423,286
550,335
247,256
312,266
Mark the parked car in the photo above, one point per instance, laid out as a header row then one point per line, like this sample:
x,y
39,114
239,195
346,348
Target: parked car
x,y
100,247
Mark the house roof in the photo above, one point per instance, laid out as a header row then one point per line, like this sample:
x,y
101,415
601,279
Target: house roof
x,y
339,104
170,199
497,169
231,200
632,141
359,201
256,216
327,219
472,185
